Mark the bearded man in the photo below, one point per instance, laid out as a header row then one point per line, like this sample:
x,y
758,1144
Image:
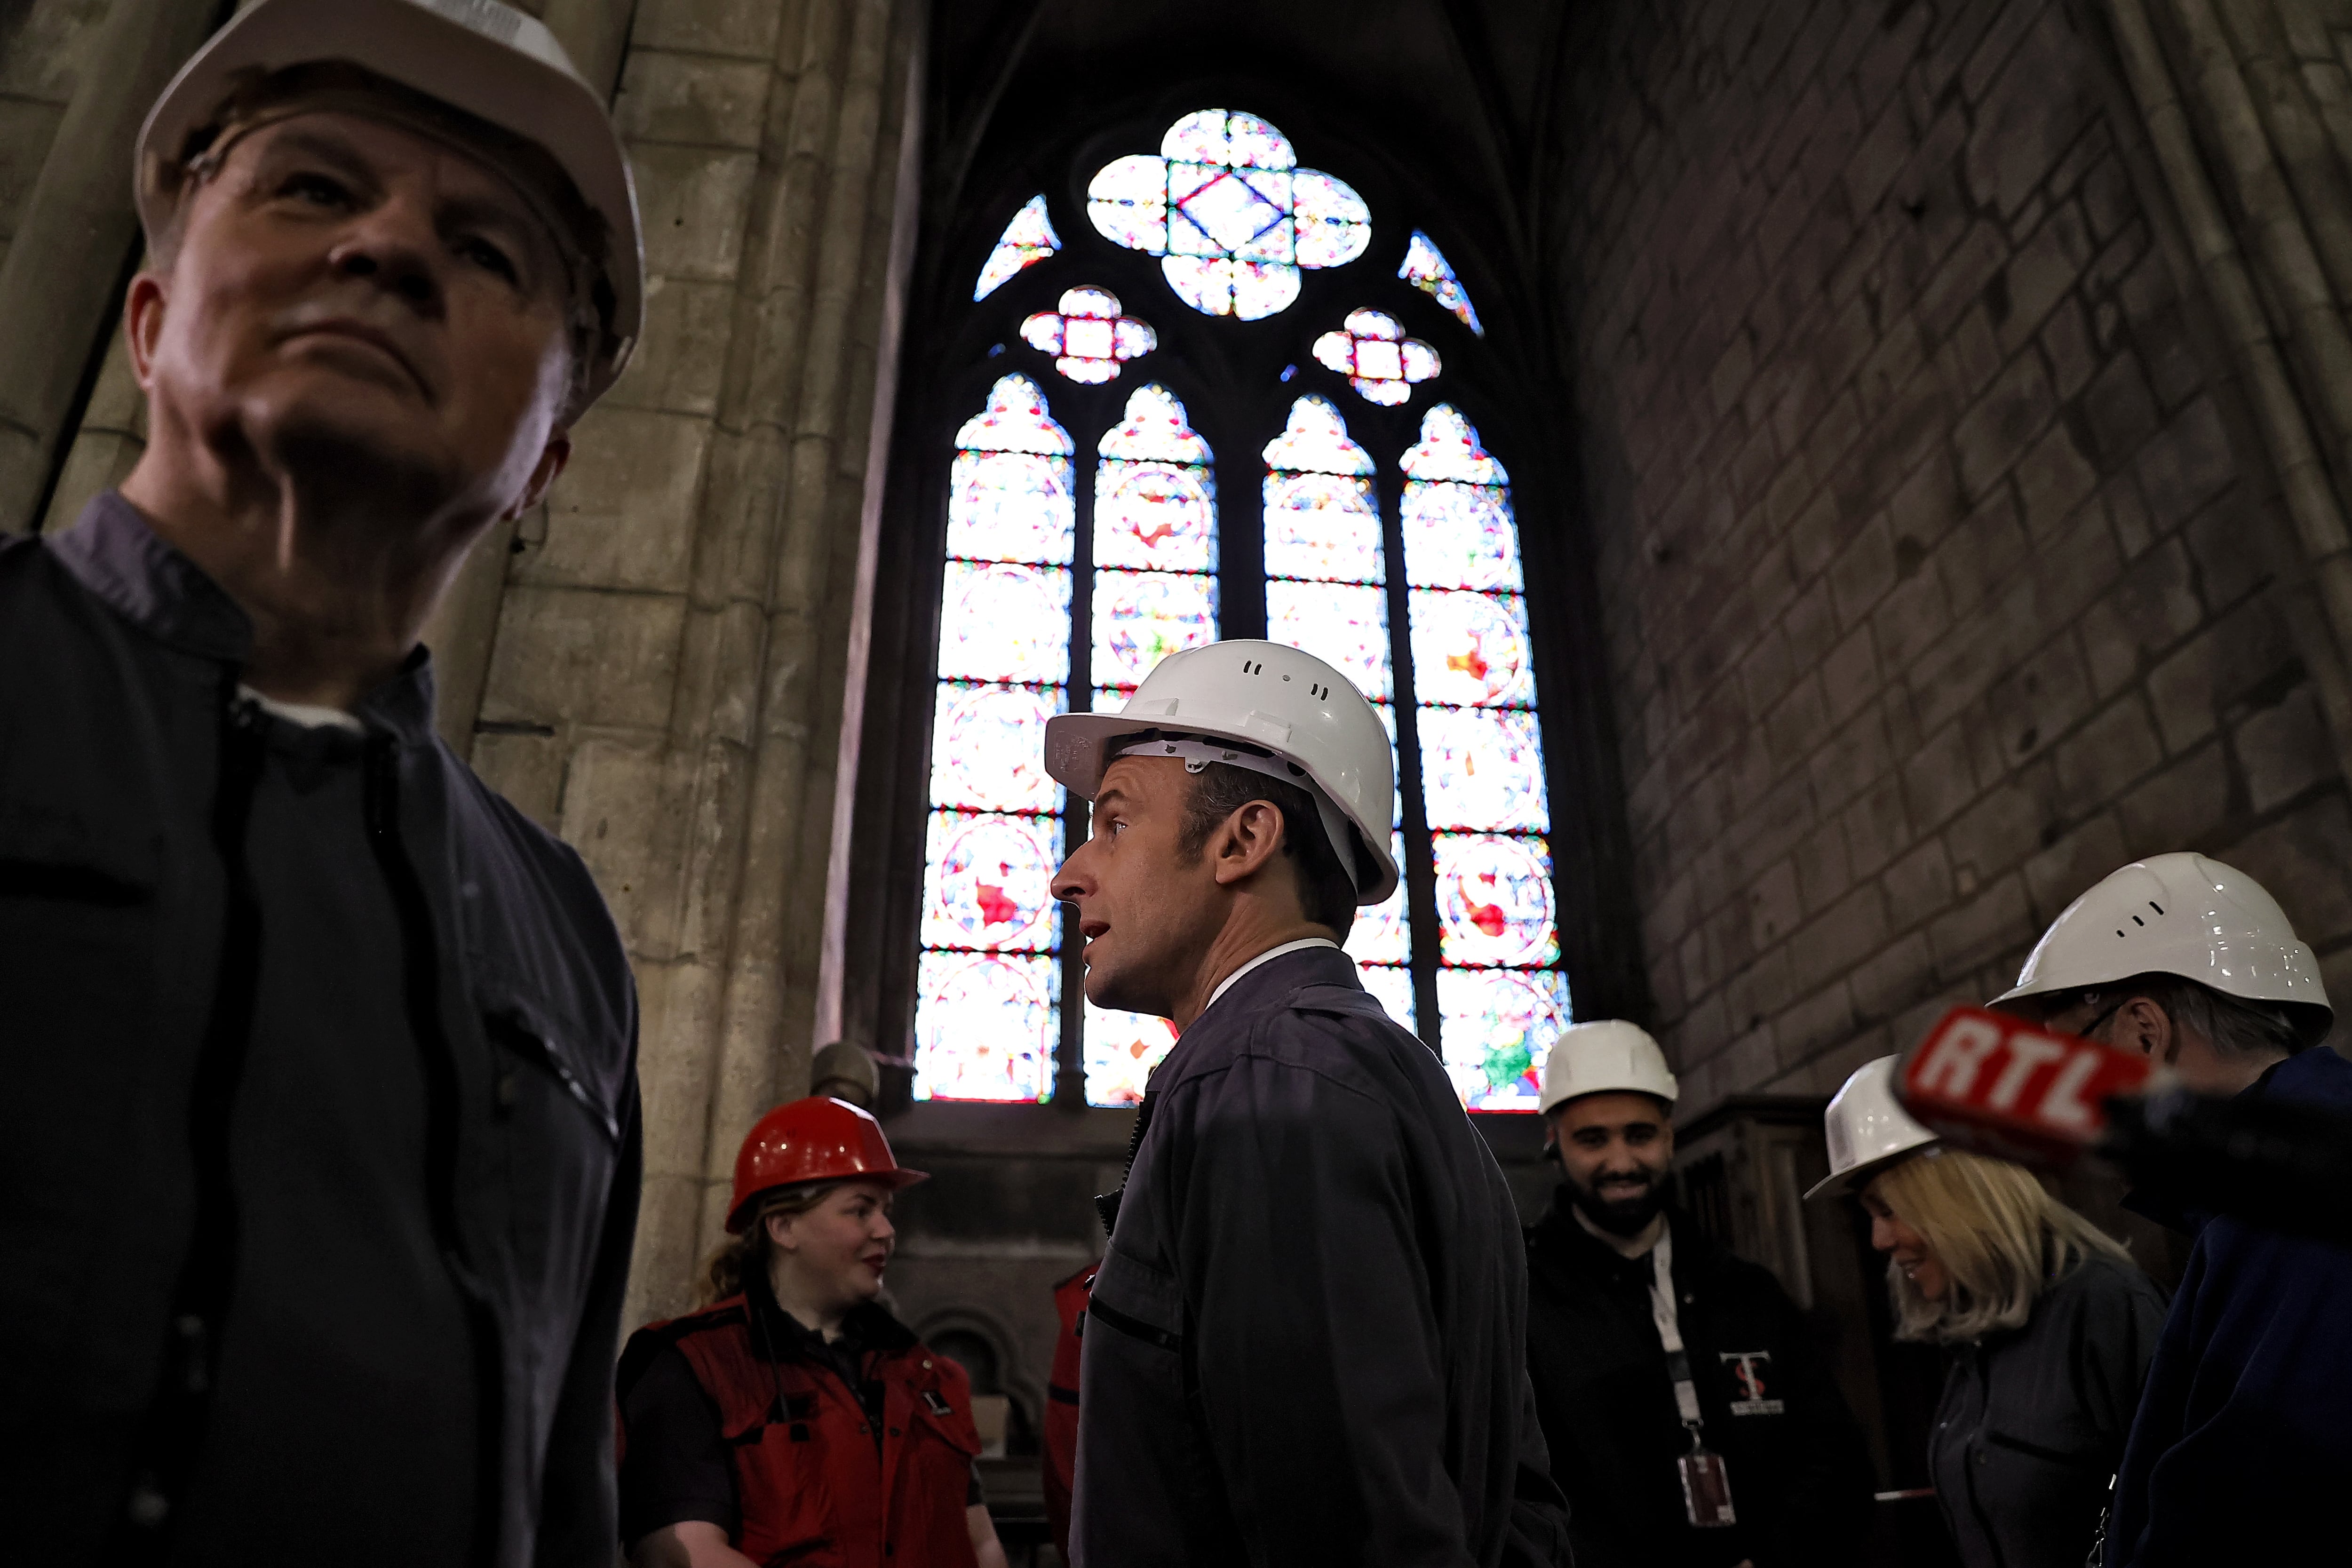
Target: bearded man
x,y
1691,1421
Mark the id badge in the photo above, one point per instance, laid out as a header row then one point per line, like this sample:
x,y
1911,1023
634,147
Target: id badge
x,y
1706,1489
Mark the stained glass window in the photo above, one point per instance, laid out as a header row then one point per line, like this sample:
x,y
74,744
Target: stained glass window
x,y
1378,361
1088,336
1399,566
990,975
1499,997
989,1004
1229,212
1428,271
1028,239
1326,592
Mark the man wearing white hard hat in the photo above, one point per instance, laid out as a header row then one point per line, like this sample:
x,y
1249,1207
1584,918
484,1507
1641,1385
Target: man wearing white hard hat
x,y
1305,1341
2244,1434
320,1145
2048,1324
1664,1366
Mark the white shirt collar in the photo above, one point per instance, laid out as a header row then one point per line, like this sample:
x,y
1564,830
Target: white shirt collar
x,y
310,716
1271,954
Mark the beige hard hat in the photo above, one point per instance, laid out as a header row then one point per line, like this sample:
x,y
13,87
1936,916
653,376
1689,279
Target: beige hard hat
x,y
1296,719
1606,1056
490,60
2186,915
1867,1129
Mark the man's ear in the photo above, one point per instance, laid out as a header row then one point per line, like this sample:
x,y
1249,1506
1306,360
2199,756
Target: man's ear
x,y
2143,1026
551,458
1245,842
143,324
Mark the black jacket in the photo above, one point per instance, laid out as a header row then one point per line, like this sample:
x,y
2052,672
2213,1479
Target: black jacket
x,y
1305,1343
139,1020
1799,1474
2032,1420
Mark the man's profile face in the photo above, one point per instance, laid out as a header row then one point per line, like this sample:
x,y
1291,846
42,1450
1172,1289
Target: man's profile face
x,y
1146,910
352,297
1615,1149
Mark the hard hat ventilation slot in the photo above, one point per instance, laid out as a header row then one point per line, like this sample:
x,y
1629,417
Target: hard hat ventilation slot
x,y
1252,666
2157,907
1322,692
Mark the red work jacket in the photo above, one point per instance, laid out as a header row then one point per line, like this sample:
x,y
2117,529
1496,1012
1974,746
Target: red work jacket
x,y
1062,1404
813,1488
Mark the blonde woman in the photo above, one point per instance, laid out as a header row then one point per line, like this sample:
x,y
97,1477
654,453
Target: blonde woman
x,y
2048,1323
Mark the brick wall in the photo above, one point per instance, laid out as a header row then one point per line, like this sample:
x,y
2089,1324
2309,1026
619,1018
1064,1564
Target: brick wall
x,y
1928,568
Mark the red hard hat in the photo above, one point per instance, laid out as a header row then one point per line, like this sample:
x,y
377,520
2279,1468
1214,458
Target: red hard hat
x,y
812,1140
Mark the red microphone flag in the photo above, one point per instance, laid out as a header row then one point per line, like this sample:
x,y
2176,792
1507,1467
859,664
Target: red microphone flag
x,y
2000,1086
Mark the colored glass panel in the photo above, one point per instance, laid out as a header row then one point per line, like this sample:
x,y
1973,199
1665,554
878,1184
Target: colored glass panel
x,y
1141,617
1483,768
988,884
1028,239
1380,362
1460,536
985,1020
1156,516
1392,988
1471,649
985,1025
1381,934
1087,335
1324,527
1154,428
1449,449
1119,1052
1429,271
1230,214
1494,899
985,748
1344,624
1005,622
1497,1027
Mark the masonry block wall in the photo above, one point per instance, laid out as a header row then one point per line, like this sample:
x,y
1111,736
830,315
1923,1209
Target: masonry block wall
x,y
1929,566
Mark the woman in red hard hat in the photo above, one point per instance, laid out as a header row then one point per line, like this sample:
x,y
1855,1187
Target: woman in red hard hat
x,y
793,1419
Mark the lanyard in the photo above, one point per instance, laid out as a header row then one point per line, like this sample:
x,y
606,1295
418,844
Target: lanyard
x,y
1670,1333
1707,1490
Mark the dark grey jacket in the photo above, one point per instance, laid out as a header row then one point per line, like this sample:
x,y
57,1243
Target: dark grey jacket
x,y
1306,1341
128,979
2032,1424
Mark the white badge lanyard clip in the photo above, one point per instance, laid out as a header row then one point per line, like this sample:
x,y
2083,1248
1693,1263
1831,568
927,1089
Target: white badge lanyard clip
x,y
1706,1489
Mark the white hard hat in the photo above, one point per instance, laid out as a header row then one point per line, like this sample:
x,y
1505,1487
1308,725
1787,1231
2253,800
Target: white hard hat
x,y
2186,915
1270,697
490,60
1867,1129
1607,1054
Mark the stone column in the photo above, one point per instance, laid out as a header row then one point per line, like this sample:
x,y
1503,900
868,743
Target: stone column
x,y
2248,107
59,282
665,686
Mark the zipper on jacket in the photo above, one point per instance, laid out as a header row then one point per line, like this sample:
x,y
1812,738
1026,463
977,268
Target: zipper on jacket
x,y
173,1432
1107,1204
421,986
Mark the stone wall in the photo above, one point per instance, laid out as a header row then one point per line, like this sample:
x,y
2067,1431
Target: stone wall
x,y
1941,572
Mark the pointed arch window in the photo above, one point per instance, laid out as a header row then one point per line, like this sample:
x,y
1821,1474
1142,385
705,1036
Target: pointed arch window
x,y
1390,549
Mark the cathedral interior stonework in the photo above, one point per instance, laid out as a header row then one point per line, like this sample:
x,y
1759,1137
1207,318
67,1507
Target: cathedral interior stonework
x,y
1920,429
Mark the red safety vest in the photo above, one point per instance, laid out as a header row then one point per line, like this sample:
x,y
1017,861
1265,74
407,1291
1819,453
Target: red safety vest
x,y
1061,1467
814,1490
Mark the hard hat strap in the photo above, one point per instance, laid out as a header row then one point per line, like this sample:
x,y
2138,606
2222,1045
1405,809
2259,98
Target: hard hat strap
x,y
1198,754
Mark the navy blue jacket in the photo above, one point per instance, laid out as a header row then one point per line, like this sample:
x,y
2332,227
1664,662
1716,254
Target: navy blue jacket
x,y
160,972
2243,1446
1307,1340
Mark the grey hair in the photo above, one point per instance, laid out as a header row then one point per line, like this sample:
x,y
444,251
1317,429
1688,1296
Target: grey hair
x,y
2237,1028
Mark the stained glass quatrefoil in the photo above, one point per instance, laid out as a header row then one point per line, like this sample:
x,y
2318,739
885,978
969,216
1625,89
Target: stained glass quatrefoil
x,y
1378,361
1088,336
